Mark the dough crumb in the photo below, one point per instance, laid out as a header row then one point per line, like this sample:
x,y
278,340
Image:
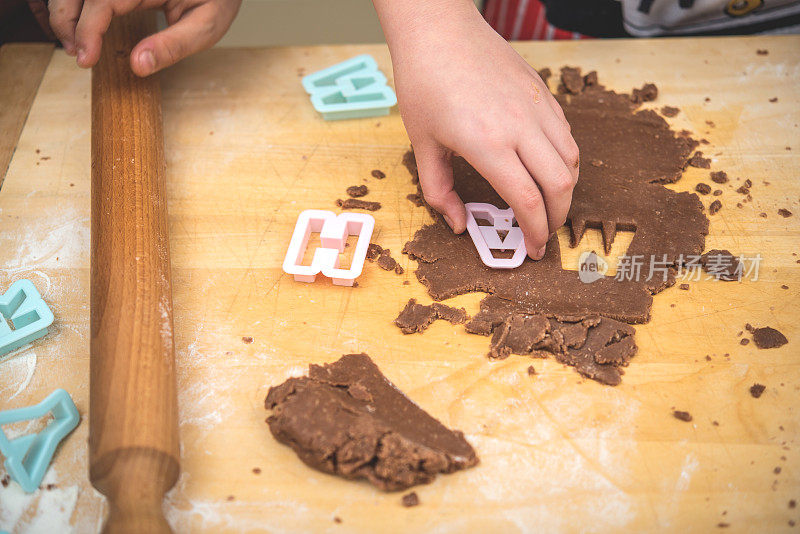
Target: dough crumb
x,y
669,111
722,265
358,204
531,370
698,161
410,499
768,338
373,251
762,52
386,261
702,188
247,340
714,207
783,212
380,175
356,191
685,287
719,177
756,390
683,416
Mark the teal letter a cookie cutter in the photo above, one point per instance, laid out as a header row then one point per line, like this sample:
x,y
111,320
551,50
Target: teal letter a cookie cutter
x,y
352,89
29,456
24,316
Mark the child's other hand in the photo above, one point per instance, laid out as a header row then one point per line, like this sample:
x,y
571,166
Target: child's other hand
x,y
194,25
462,89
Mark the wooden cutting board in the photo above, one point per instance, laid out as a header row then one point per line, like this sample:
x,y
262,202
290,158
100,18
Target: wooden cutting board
x,y
246,153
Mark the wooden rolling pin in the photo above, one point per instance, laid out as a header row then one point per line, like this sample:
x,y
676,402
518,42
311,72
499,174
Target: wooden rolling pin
x,y
133,413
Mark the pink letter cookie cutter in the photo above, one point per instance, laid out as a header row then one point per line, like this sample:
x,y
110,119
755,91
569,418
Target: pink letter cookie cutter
x,y
487,238
333,232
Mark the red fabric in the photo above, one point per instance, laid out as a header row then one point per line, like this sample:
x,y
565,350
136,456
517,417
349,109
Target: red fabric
x,y
523,20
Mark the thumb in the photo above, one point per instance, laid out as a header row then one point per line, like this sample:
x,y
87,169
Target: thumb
x,y
197,29
436,178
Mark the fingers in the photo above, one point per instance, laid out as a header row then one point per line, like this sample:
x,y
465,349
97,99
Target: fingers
x,y
556,107
92,24
555,180
436,178
198,29
513,182
63,19
560,137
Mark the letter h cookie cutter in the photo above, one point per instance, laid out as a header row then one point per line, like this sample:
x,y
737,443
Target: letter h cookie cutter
x,y
488,238
333,232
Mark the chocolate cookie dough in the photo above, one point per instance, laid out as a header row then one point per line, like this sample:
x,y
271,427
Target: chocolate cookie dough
x,y
626,156
683,416
697,160
415,199
647,93
596,347
358,204
373,251
768,338
417,317
410,499
386,261
722,265
572,81
356,191
669,111
347,419
702,188
719,177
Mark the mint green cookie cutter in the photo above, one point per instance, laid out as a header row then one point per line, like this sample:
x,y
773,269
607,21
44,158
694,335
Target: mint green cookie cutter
x,y
29,456
326,78
24,316
352,89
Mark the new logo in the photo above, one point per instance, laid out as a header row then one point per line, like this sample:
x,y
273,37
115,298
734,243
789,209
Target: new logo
x,y
591,268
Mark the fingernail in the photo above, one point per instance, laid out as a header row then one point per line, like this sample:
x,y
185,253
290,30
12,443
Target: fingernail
x,y
448,221
540,253
147,60
81,55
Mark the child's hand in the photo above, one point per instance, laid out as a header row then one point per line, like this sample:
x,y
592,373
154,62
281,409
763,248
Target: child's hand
x,y
461,88
194,25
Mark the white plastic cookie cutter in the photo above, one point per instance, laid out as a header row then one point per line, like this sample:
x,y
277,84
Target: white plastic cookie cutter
x,y
488,238
333,232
